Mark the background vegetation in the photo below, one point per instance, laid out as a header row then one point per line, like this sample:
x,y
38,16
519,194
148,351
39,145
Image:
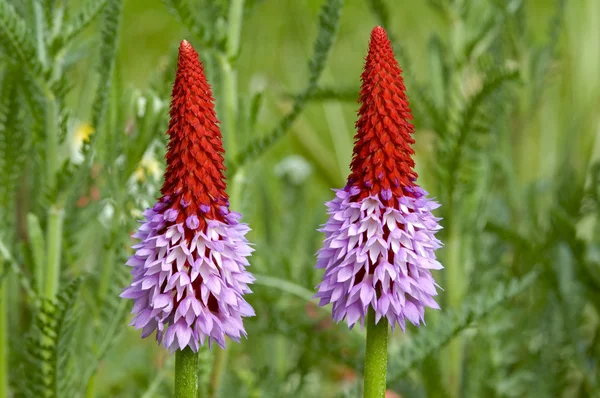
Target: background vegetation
x,y
506,99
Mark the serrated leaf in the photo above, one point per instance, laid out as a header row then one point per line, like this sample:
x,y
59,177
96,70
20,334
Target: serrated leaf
x,y
451,323
329,20
86,15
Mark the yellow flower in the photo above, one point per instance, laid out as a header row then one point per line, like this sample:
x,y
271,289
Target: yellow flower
x,y
149,166
83,132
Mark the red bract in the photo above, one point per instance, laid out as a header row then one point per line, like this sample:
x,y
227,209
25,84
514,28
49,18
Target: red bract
x,y
382,159
194,178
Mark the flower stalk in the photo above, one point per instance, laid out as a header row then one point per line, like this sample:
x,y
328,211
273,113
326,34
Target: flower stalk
x,y
189,268
379,245
229,117
376,357
54,242
3,334
186,373
54,230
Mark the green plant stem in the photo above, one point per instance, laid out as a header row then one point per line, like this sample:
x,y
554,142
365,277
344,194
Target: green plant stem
x,y
229,118
40,32
52,139
186,374
218,368
54,242
55,212
3,335
229,75
230,103
234,27
376,357
455,280
107,268
90,389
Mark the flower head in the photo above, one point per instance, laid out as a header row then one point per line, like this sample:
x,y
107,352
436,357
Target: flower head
x,y
189,269
379,238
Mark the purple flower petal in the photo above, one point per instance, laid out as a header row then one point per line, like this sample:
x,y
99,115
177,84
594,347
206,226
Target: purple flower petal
x,y
379,256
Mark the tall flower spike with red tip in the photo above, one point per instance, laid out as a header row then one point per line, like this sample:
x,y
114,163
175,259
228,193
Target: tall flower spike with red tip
x,y
189,270
379,246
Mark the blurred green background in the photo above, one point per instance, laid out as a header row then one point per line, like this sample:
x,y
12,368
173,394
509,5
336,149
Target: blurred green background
x,y
506,102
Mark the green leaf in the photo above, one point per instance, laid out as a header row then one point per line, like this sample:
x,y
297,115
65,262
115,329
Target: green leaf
x,y
431,339
382,13
345,94
108,52
12,265
285,286
15,37
37,245
329,20
197,27
13,143
50,369
474,118
86,15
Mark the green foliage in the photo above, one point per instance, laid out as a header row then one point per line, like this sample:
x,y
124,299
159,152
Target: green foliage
x,y
329,19
49,369
13,141
200,27
451,323
15,38
108,48
503,96
88,11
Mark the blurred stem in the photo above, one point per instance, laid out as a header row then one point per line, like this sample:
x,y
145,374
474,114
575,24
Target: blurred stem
x,y
229,74
455,281
218,368
234,27
186,373
90,390
107,268
3,335
229,84
40,32
54,241
55,213
52,139
229,118
376,357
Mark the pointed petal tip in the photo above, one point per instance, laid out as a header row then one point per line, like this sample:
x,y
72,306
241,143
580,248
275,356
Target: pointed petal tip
x,y
186,49
185,44
378,37
378,30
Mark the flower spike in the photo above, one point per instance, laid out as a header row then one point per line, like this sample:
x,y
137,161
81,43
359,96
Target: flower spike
x,y
189,270
379,238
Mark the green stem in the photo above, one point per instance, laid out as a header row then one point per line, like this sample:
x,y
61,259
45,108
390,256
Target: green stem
x,y
219,365
52,139
230,108
3,335
229,118
90,389
55,212
107,269
40,32
54,242
234,27
229,75
376,357
455,280
186,374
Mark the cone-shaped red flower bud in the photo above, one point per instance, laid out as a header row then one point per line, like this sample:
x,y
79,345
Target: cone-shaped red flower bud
x,y
382,158
379,246
189,272
194,178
